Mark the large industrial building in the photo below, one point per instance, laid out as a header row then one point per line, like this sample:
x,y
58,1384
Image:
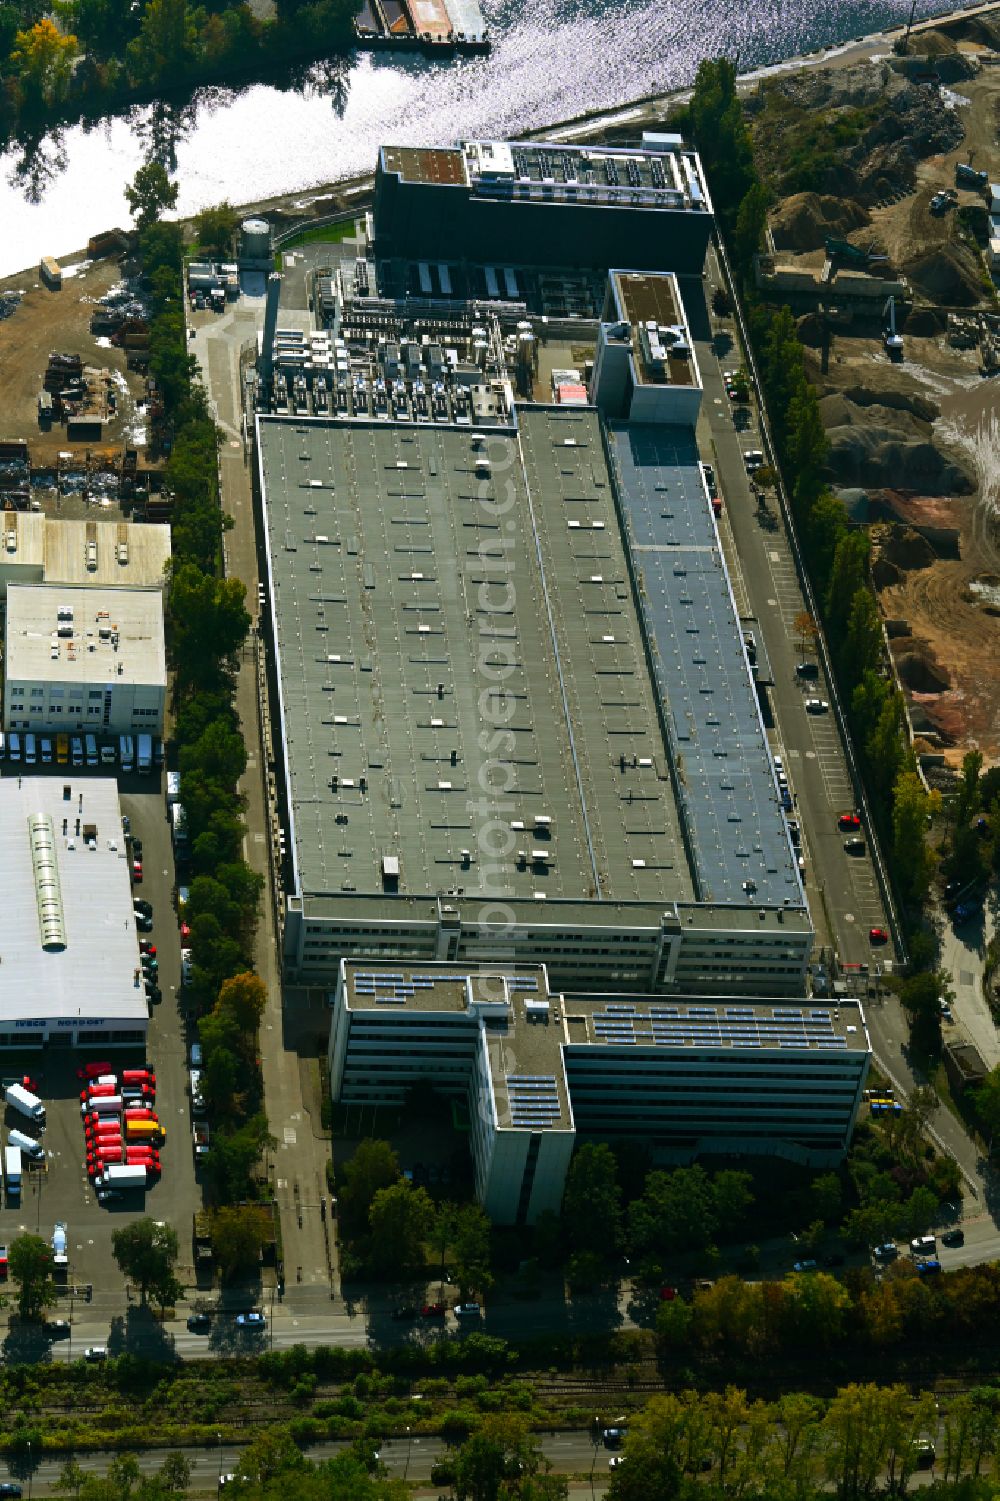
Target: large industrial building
x,y
687,1077
476,765
516,727
69,955
512,204
78,658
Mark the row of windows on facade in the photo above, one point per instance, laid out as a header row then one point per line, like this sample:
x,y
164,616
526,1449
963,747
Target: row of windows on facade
x,y
693,942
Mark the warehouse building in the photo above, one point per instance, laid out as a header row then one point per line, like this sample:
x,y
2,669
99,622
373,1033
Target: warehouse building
x,y
84,659
690,1077
550,203
69,955
474,762
40,549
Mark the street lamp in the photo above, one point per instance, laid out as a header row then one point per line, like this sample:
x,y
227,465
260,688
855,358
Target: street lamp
x,y
219,1437
31,1473
409,1445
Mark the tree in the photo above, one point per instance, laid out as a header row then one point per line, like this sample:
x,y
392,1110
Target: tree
x,y
175,1472
751,219
239,1234
591,1208
400,1219
234,1155
146,1253
215,227
677,1209
71,1477
805,628
245,997
500,1461
731,1197
165,45
150,192
374,1166
471,1249
986,1099
826,1197
30,1264
43,60
912,807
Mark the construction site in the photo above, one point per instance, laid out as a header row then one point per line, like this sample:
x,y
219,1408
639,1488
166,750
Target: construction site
x,y
80,419
887,259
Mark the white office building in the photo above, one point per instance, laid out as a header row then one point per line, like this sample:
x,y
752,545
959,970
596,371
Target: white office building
x,y
691,1078
83,659
70,973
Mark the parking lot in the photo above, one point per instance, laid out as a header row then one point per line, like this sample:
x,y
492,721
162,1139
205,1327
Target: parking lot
x,y
61,1191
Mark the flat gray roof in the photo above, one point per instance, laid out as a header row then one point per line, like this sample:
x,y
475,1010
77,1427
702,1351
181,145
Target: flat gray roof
x,y
461,665
94,976
727,787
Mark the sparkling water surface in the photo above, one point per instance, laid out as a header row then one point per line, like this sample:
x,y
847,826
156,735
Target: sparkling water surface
x,y
549,62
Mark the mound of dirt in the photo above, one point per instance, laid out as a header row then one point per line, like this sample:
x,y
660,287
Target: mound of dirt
x,y
840,410
905,548
803,221
901,401
948,274
887,457
926,322
921,674
833,88
885,574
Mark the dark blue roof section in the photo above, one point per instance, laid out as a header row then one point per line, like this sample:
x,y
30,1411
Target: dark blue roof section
x,y
725,777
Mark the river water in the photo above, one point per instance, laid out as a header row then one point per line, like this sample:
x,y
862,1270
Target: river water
x,y
551,60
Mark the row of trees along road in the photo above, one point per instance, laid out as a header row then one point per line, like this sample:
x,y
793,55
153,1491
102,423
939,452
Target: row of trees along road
x,y
207,628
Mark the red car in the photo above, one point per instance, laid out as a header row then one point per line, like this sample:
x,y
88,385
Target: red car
x,y
433,1310
877,935
94,1070
848,822
139,1076
137,872
148,948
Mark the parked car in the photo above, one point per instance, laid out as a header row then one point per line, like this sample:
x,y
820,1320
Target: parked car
x,y
253,1320
10,1488
816,706
953,1238
805,1266
877,935
807,669
433,1311
614,1437
199,1323
95,1353
887,1251
854,846
57,1328
144,924
137,872
139,904
848,822
929,1268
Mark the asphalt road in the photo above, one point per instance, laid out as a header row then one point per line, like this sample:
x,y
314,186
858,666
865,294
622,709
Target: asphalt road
x,y
412,1459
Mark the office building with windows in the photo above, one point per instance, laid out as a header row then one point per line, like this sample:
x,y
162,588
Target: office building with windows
x,y
691,1077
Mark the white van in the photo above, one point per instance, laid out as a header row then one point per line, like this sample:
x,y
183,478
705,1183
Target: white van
x,y
14,746
30,750
76,750
108,754
126,752
90,744
45,747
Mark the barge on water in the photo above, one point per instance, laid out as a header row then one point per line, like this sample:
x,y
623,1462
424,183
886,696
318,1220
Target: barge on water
x,y
441,27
